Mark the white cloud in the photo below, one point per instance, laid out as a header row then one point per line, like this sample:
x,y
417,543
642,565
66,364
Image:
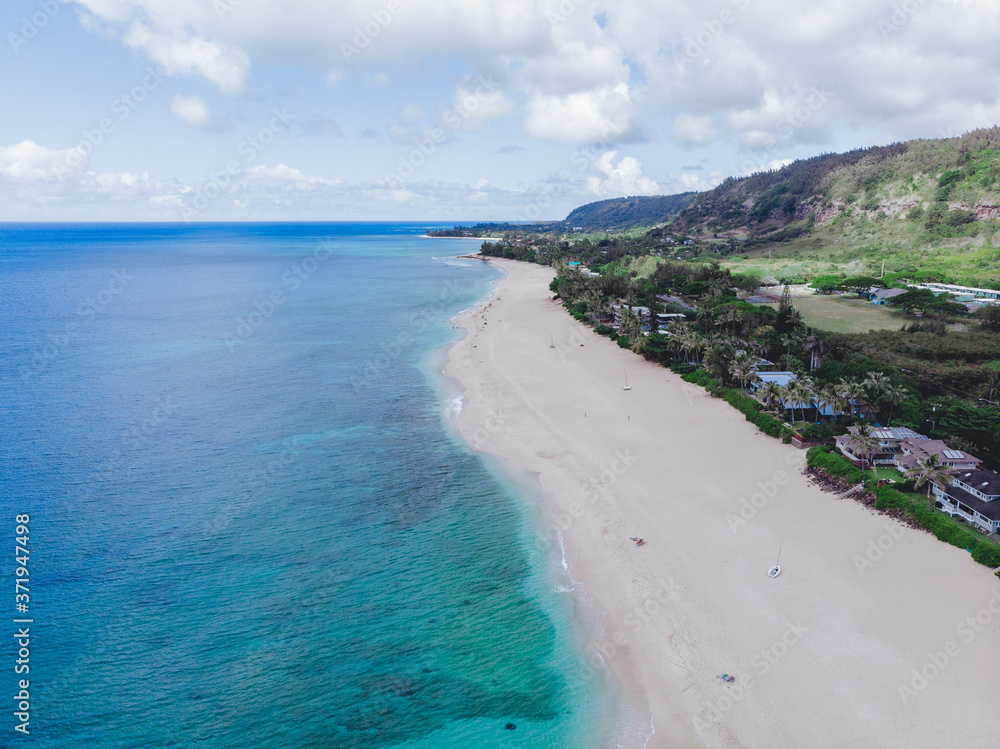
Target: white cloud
x,y
740,62
622,179
726,76
192,109
31,162
582,117
223,64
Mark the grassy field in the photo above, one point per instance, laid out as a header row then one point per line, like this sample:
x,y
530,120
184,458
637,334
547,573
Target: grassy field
x,y
885,472
859,246
843,314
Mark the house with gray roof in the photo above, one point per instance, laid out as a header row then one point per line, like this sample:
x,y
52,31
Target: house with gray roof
x,y
973,495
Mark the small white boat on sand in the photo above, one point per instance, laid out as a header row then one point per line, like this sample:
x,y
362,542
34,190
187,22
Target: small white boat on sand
x,y
776,569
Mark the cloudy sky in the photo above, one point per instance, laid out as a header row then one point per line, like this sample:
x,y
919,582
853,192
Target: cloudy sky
x,y
458,109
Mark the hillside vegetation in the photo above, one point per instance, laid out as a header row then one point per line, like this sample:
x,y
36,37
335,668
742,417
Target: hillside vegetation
x,y
619,214
928,207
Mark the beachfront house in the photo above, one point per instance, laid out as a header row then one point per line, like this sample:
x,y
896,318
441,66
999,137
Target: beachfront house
x,y
913,451
885,452
663,320
643,313
781,379
973,495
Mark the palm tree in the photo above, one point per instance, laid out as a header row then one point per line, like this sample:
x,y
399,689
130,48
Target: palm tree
x,y
743,369
852,392
816,347
699,343
876,382
629,324
807,392
789,339
865,443
836,400
771,393
823,397
686,343
929,471
674,333
796,392
894,395
594,300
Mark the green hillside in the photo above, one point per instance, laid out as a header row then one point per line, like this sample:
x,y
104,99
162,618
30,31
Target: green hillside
x,y
928,207
620,214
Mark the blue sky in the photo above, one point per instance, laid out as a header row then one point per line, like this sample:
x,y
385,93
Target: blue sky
x,y
458,109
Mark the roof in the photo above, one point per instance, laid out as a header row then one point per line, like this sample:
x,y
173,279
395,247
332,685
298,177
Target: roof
x,y
779,378
988,509
888,293
891,433
987,482
925,448
934,286
850,443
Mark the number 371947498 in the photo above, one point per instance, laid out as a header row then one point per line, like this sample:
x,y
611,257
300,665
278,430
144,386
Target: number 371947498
x,y
21,557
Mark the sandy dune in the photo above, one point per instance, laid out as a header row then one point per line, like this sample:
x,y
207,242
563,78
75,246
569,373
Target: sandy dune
x,y
829,654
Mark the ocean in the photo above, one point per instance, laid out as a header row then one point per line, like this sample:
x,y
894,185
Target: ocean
x,y
249,521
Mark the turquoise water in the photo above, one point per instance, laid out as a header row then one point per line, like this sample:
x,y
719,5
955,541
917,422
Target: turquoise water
x,y
250,525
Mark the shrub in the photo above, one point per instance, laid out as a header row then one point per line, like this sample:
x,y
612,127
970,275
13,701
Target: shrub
x,y
987,554
602,329
613,335
746,406
942,528
821,432
768,424
834,464
623,341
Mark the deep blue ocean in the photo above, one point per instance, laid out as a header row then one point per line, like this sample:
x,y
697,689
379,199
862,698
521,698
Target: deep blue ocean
x,y
250,522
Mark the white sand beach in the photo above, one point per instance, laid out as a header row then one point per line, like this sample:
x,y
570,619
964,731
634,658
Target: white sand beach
x,y
873,635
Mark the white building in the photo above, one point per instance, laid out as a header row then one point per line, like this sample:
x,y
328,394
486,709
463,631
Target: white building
x,y
973,495
965,293
643,313
887,448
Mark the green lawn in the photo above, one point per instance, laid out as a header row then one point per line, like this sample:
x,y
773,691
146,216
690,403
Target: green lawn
x,y
845,314
885,472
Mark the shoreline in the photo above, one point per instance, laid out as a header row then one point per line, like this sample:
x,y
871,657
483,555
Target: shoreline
x,y
715,501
